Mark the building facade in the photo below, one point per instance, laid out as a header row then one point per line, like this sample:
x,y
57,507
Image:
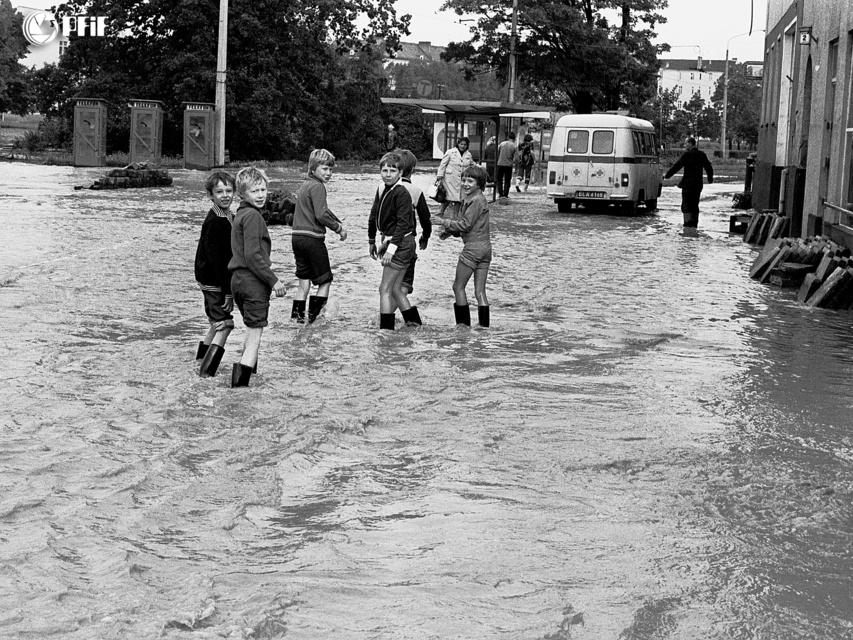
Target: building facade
x,y
804,167
690,77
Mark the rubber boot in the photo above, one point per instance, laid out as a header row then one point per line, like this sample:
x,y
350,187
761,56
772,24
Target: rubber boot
x,y
211,361
463,314
387,321
411,317
240,375
315,306
298,312
483,315
202,349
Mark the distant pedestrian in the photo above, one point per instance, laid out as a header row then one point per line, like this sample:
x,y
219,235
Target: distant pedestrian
x,y
392,138
490,155
252,278
393,216
693,161
526,161
473,225
212,274
311,218
449,173
506,160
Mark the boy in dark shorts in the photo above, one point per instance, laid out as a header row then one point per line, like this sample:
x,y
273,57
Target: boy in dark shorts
x,y
421,208
212,274
310,221
393,216
473,225
252,279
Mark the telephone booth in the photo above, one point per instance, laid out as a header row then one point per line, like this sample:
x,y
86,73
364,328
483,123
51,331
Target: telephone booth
x,y
146,131
199,135
90,132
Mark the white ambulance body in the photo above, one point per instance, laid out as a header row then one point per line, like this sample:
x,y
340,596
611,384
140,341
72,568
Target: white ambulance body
x,y
600,159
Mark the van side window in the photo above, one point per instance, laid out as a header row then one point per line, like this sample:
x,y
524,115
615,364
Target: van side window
x,y
602,142
638,146
650,141
578,141
647,147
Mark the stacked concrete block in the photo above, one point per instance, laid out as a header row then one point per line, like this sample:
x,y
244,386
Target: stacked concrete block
x,y
133,176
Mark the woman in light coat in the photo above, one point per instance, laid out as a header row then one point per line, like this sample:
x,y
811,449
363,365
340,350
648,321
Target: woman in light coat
x,y
449,173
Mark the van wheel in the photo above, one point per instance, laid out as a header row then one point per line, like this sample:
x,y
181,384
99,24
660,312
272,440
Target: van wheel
x,y
652,205
564,205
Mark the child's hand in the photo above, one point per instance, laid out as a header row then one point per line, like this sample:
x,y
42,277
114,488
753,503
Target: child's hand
x,y
228,307
436,220
386,259
342,233
279,288
373,252
422,243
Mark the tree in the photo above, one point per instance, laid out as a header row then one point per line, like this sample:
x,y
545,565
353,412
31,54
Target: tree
x,y
569,52
744,105
15,94
293,65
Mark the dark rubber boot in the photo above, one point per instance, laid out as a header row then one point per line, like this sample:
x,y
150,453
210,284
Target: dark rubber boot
x,y
463,314
211,361
298,312
315,306
240,375
387,321
202,349
483,315
411,317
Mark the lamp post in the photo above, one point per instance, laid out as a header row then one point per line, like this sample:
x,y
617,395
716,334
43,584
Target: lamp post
x,y
723,140
221,63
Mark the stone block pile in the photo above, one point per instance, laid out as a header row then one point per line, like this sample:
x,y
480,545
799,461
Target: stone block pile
x,y
133,176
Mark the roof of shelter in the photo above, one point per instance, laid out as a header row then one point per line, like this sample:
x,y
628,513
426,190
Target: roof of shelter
x,y
468,107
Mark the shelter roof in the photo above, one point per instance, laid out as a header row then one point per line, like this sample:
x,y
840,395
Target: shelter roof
x,y
489,109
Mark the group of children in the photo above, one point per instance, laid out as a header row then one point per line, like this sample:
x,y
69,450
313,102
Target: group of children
x,y
233,258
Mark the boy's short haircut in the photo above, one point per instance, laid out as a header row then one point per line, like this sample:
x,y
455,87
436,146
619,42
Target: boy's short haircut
x,y
478,173
248,178
392,159
215,178
510,135
410,161
318,158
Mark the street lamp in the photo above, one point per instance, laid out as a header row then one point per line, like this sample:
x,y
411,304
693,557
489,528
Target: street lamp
x,y
723,140
221,64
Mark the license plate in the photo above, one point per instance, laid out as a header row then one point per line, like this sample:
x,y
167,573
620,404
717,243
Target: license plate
x,y
590,194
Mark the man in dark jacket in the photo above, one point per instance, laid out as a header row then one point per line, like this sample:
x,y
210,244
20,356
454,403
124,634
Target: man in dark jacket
x,y
693,161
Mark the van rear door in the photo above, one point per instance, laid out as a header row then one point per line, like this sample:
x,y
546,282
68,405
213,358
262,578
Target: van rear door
x,y
576,167
602,159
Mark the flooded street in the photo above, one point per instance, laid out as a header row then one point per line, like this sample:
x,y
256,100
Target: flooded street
x,y
646,444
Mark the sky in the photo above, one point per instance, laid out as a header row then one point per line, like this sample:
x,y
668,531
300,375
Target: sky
x,y
693,28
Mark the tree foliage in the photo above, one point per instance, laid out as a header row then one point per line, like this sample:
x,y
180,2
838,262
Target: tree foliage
x,y
301,73
744,105
15,94
580,54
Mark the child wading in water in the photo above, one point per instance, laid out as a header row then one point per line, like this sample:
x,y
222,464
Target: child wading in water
x,y
310,221
472,224
212,274
252,279
393,216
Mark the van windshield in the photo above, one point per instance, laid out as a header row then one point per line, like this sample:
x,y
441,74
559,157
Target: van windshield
x,y
602,142
578,141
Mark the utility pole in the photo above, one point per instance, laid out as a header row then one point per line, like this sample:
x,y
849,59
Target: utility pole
x,y
723,132
512,51
221,73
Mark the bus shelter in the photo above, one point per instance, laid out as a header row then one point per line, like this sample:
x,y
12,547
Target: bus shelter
x,y
478,120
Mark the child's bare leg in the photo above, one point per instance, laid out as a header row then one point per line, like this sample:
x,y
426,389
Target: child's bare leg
x,y
211,331
387,304
251,346
323,290
398,293
302,290
480,276
463,275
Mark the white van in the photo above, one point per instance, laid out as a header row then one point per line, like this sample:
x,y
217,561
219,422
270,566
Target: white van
x,y
598,159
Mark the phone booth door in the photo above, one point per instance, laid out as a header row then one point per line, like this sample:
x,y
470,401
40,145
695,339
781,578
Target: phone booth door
x,y
199,137
146,131
90,132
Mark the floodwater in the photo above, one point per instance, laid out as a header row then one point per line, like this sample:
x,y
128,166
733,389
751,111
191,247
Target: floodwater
x,y
646,444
